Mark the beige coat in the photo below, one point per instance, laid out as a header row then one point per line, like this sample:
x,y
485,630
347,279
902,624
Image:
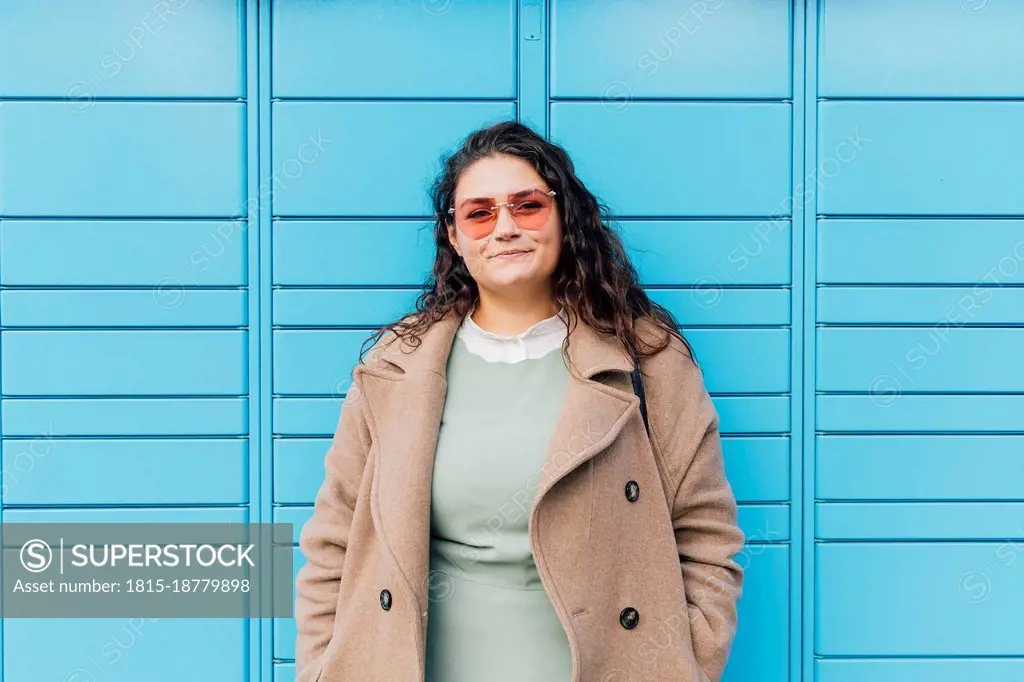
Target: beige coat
x,y
670,553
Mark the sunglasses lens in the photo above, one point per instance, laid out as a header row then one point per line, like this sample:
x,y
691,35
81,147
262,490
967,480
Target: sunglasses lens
x,y
530,212
476,221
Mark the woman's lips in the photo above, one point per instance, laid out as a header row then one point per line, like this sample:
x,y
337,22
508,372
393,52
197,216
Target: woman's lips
x,y
510,254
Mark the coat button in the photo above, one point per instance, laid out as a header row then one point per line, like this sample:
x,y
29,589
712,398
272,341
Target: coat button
x,y
629,618
385,599
632,491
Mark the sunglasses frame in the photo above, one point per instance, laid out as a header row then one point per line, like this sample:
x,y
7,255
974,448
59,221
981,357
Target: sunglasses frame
x,y
507,204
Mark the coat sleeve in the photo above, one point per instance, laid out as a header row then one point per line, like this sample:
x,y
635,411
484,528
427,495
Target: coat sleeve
x,y
324,538
704,519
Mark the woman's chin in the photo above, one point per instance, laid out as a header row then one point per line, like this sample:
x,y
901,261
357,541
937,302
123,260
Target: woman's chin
x,y
522,278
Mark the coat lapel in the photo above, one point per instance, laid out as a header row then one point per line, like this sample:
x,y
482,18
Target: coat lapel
x,y
406,404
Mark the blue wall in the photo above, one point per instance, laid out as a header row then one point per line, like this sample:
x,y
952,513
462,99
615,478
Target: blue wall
x,y
205,206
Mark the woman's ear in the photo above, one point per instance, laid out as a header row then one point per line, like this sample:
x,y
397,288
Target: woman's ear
x,y
453,240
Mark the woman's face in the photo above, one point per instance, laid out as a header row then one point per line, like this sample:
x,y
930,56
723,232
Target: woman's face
x,y
527,273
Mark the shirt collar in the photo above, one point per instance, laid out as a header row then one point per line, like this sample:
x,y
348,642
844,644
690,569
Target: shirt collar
x,y
535,342
552,325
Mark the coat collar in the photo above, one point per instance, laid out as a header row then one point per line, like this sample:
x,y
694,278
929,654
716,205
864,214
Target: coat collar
x,y
405,391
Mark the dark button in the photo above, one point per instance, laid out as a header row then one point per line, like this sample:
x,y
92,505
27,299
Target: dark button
x,y
629,618
385,599
632,491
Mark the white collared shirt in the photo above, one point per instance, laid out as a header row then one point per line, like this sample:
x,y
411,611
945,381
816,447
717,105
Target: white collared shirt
x,y
537,341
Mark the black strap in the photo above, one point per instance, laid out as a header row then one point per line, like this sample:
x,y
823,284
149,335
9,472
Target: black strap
x,y
638,389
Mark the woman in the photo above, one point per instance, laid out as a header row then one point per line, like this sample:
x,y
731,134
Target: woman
x,y
508,494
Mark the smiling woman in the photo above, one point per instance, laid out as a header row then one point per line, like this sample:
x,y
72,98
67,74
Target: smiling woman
x,y
510,246
482,482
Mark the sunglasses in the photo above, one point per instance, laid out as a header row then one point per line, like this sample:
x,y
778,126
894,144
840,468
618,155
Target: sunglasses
x,y
529,208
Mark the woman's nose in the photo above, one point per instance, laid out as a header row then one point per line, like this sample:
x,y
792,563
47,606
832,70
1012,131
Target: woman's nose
x,y
505,224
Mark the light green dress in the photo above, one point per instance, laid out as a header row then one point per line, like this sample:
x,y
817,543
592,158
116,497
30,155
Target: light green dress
x,y
489,618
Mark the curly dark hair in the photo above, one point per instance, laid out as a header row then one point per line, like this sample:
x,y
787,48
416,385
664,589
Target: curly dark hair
x,y
593,278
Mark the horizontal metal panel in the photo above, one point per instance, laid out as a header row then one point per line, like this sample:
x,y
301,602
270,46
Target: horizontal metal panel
x,y
668,49
681,159
760,650
758,468
125,362
402,49
877,467
337,307
128,515
129,159
941,306
65,471
40,418
297,516
121,48
919,520
307,416
925,158
982,253
317,362
86,649
763,523
349,252
753,414
916,599
285,632
709,254
888,411
939,669
743,360
162,306
892,360
920,48
707,304
298,469
328,156
157,253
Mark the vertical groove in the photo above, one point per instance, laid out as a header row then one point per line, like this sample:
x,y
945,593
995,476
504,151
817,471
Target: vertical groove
x,y
3,483
259,143
808,316
250,46
798,345
531,59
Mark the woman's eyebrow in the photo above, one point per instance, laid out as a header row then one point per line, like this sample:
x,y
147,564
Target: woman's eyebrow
x,y
478,200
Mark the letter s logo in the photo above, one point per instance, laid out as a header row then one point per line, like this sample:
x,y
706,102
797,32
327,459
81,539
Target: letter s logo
x,y
36,556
